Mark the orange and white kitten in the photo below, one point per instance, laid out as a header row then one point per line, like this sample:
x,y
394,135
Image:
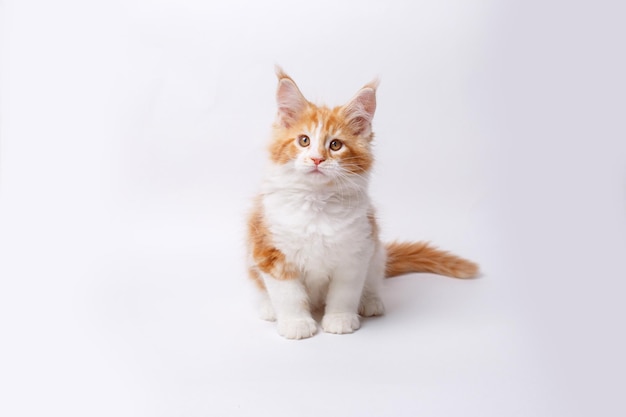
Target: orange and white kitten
x,y
312,234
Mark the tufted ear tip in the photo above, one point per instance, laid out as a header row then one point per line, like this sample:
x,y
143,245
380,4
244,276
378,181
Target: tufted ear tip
x,y
280,73
373,84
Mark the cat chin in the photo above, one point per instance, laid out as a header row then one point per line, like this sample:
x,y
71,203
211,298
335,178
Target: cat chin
x,y
312,173
317,178
314,179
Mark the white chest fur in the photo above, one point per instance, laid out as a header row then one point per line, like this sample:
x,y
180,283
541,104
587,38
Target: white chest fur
x,y
318,230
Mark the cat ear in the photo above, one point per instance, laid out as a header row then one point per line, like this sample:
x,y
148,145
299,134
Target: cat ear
x,y
289,99
359,111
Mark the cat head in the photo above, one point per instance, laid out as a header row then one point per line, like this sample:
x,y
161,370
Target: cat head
x,y
320,144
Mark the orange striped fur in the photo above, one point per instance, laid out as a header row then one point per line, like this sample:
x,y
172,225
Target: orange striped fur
x,y
406,257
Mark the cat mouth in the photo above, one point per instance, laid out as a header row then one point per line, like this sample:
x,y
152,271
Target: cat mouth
x,y
316,171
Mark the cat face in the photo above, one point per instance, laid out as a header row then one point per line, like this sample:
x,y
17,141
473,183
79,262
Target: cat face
x,y
320,144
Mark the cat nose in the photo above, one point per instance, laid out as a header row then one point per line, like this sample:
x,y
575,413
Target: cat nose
x,y
317,161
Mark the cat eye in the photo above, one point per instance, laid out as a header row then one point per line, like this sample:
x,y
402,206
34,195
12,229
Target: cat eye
x,y
304,141
335,145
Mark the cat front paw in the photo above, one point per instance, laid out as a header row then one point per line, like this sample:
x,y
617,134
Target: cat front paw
x,y
297,328
340,323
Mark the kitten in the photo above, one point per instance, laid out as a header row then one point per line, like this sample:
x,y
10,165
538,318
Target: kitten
x,y
312,234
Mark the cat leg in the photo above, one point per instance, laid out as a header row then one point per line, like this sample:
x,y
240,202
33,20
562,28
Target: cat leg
x,y
342,301
371,304
291,305
266,309
316,288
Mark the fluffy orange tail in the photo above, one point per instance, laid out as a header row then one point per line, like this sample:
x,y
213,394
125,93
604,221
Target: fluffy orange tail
x,y
405,257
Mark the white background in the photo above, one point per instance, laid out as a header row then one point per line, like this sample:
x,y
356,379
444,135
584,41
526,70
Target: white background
x,y
133,137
